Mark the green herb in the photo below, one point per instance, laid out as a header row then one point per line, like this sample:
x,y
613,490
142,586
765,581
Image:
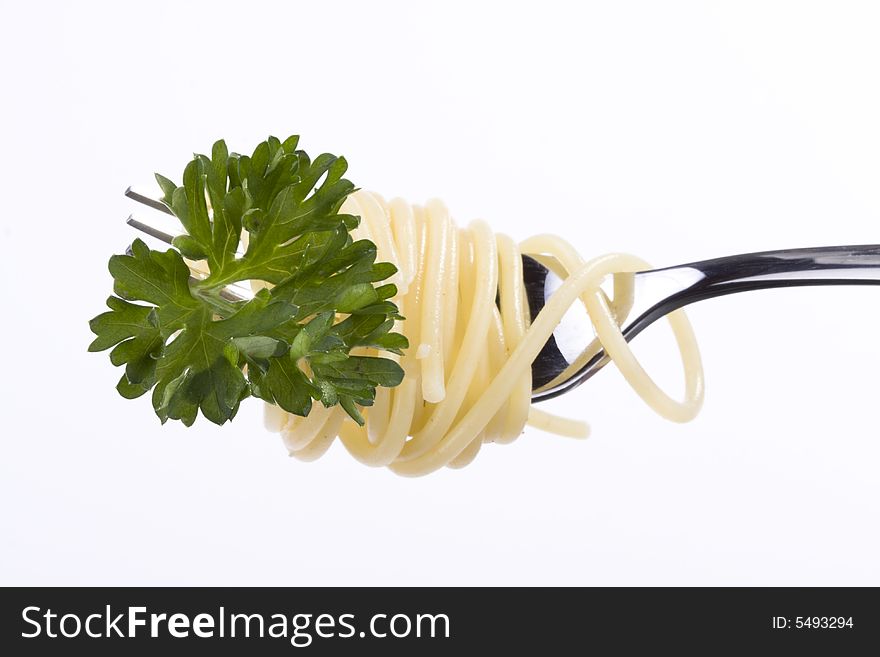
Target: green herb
x,y
289,345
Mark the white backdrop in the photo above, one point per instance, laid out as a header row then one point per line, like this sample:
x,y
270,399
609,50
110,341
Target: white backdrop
x,y
676,131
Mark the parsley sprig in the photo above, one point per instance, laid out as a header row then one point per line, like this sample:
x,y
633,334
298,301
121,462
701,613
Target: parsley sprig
x,y
289,345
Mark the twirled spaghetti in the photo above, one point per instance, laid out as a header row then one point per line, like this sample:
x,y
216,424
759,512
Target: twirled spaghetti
x,y
468,370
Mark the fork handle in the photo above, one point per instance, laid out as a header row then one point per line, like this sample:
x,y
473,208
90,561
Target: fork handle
x,y
828,265
660,291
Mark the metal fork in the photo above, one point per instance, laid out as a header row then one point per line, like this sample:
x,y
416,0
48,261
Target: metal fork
x,y
657,292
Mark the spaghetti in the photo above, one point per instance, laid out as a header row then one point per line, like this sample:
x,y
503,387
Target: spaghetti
x,y
468,369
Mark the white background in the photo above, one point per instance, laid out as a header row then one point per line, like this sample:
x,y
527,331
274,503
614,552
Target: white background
x,y
677,131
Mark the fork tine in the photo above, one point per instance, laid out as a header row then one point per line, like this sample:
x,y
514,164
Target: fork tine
x,y
234,292
158,219
149,230
148,201
230,293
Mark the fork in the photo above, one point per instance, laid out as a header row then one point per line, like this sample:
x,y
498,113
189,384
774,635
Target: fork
x,y
656,292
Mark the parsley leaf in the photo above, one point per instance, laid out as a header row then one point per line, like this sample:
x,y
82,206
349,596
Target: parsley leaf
x,y
291,344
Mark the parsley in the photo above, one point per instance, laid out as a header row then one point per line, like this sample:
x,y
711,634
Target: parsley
x,y
289,345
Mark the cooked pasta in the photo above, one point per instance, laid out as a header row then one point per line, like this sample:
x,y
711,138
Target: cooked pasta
x,y
468,369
